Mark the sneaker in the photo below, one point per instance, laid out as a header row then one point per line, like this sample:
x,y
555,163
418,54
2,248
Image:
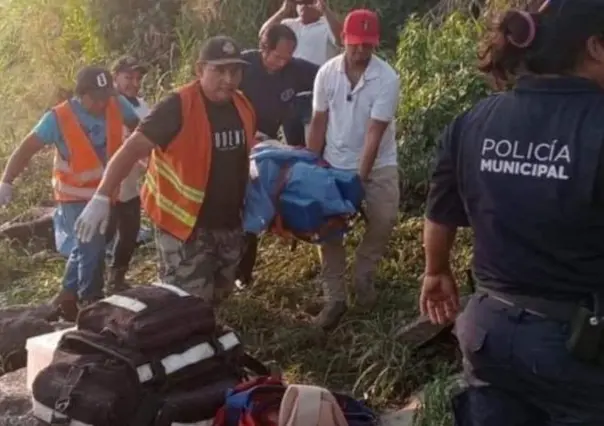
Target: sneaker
x,y
330,315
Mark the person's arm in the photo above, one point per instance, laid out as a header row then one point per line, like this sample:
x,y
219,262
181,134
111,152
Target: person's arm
x,y
320,115
335,25
21,157
129,114
157,130
286,10
445,210
382,114
438,242
45,133
136,147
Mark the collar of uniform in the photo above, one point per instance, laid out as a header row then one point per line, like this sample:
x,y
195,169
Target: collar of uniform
x,y
372,71
556,84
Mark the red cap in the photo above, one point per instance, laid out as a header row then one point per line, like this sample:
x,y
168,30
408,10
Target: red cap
x,y
361,26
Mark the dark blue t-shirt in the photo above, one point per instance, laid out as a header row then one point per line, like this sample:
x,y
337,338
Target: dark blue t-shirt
x,y
525,169
272,94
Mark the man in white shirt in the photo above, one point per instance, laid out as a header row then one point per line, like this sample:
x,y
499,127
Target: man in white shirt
x,y
317,30
354,104
128,73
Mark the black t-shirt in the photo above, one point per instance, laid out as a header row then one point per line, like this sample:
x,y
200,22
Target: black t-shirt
x,y
223,202
272,94
525,170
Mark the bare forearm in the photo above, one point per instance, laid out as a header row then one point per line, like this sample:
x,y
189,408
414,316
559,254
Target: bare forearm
x,y
334,24
368,159
136,148
21,157
371,147
438,242
316,133
279,16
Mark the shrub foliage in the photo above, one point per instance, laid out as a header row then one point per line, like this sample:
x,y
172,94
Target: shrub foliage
x,y
438,81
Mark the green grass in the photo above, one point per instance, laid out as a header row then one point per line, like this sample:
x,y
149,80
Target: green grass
x,y
435,409
361,355
273,315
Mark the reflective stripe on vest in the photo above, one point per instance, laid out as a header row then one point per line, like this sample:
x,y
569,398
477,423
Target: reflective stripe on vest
x,y
78,178
166,205
176,178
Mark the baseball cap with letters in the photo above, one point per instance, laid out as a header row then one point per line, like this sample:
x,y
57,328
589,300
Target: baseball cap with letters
x,y
221,50
94,81
361,26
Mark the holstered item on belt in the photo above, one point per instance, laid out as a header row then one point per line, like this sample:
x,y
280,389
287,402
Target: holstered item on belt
x,y
550,309
586,341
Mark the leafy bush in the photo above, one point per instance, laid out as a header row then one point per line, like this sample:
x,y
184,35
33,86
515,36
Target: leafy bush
x,y
438,81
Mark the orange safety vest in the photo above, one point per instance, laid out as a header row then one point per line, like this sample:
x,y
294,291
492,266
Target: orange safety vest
x,y
78,178
176,179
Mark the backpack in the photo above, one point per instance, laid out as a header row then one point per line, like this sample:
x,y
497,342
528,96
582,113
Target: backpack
x,y
138,316
104,379
268,401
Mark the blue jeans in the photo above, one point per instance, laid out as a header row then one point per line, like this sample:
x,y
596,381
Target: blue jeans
x,y
86,263
520,372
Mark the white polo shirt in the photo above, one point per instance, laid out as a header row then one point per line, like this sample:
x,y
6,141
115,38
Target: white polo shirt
x,y
375,96
316,42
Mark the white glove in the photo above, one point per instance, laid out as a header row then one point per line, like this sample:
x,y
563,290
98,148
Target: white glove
x,y
6,193
95,217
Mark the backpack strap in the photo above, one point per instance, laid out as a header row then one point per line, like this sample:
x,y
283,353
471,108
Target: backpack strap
x,y
305,405
301,405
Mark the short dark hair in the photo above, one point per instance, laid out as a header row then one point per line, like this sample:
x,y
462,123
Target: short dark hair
x,y
271,37
548,41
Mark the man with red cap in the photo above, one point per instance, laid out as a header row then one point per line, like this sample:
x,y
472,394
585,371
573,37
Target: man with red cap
x,y
355,100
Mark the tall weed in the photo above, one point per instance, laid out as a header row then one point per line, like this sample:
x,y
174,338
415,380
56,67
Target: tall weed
x,y
438,81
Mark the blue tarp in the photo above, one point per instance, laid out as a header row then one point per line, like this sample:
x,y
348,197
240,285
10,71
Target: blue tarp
x,y
310,195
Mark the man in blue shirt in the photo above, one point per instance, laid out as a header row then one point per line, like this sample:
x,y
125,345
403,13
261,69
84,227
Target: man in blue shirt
x,y
273,81
278,86
94,96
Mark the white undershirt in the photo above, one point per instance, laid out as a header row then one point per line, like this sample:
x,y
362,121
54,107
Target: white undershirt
x,y
316,42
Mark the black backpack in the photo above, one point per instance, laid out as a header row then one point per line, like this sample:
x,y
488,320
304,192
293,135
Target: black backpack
x,y
99,377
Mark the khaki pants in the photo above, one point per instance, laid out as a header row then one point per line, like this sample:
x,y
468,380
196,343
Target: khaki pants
x,y
382,201
204,265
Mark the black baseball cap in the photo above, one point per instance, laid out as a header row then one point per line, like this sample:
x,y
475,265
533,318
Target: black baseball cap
x,y
221,50
94,81
127,64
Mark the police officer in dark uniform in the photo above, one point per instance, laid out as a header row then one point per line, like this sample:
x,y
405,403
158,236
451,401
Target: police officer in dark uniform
x,y
525,170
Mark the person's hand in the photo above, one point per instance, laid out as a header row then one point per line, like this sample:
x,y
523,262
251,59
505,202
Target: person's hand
x,y
321,5
95,217
288,5
6,193
439,298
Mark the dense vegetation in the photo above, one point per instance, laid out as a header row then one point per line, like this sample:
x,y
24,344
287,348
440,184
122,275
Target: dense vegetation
x,y
44,42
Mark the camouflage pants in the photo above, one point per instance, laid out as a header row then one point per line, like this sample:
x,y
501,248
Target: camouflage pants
x,y
205,264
